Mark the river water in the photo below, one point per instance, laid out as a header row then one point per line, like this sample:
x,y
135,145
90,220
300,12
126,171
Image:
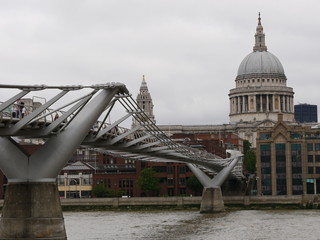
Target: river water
x,y
189,225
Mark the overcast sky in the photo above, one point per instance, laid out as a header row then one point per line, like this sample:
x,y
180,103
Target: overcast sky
x,y
189,50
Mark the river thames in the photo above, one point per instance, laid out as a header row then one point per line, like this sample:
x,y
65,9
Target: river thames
x,y
189,225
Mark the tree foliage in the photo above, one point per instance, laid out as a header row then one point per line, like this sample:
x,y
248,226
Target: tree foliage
x,y
249,157
101,191
250,161
194,185
246,146
148,181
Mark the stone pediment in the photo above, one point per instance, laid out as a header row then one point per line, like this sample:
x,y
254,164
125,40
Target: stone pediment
x,y
265,123
280,131
279,137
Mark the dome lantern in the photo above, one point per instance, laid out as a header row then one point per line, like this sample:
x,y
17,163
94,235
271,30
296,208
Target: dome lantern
x,y
260,44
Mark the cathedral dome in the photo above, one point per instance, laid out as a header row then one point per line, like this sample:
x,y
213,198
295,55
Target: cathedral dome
x,y
261,86
260,63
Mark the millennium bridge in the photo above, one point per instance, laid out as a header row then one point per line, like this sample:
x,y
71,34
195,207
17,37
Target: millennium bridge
x,y
80,116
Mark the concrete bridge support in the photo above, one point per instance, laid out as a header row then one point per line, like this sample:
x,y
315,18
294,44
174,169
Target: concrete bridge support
x,y
32,211
212,200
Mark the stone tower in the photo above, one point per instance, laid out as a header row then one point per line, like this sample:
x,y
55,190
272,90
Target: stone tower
x,y
144,101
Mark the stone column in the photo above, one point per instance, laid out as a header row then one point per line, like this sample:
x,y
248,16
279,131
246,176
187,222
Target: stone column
x,y
276,103
243,104
261,109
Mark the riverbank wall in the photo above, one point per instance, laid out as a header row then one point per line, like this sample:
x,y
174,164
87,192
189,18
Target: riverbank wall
x,y
253,202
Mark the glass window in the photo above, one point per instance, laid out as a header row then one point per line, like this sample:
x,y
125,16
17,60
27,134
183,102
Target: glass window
x,y
296,169
182,169
310,158
182,181
182,191
295,136
317,158
169,169
281,169
310,170
317,170
265,136
317,146
170,181
310,147
265,169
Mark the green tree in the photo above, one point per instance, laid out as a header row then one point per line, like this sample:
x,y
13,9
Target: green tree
x,y
249,157
250,161
246,146
194,185
100,191
148,182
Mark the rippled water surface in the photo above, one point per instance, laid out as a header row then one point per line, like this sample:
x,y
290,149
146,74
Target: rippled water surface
x,y
185,225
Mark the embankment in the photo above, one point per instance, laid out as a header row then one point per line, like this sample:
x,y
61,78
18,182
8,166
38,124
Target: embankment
x,y
241,202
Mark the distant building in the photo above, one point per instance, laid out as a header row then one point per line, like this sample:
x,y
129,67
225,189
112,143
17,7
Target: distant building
x,y
144,101
306,113
75,180
288,159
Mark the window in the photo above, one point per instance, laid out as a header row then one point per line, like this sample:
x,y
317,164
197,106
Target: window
x,y
170,181
310,158
317,158
296,136
265,136
317,146
310,147
265,150
182,181
310,170
296,169
317,170
281,169
182,169
182,191
74,181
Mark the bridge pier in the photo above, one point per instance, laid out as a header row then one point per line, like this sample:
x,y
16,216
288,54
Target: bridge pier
x,y
212,200
32,210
